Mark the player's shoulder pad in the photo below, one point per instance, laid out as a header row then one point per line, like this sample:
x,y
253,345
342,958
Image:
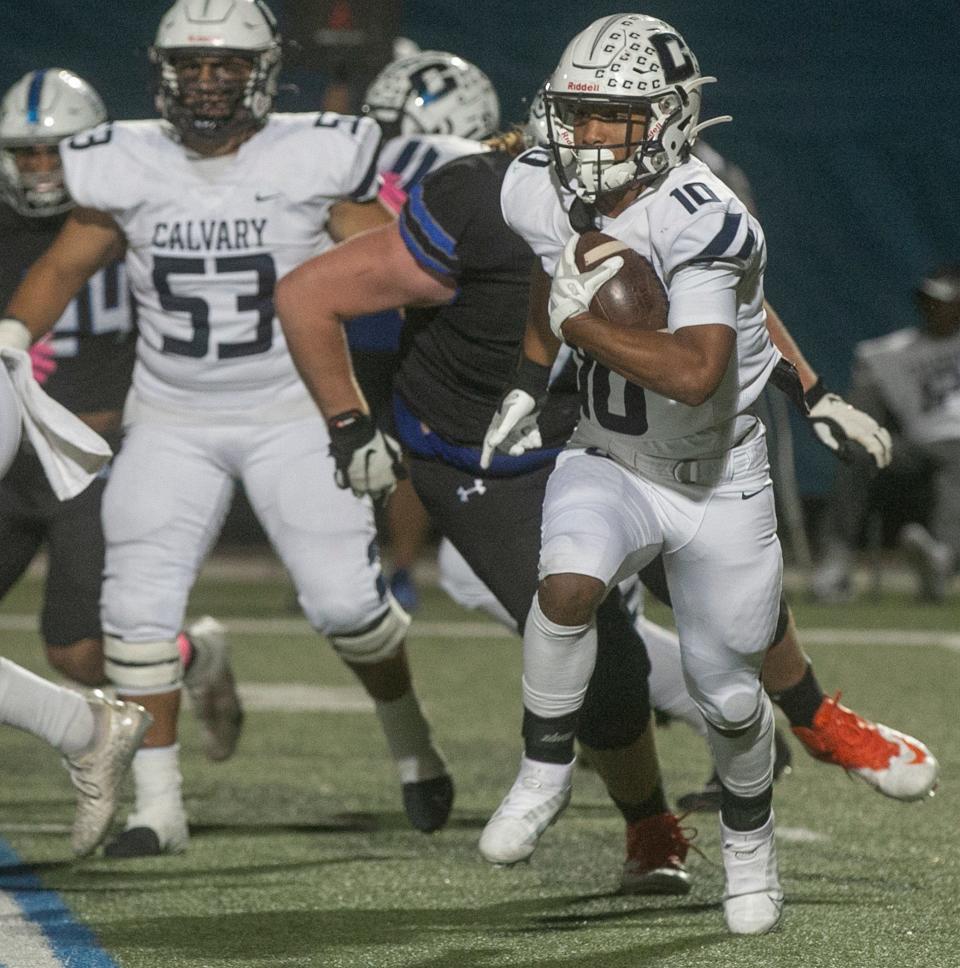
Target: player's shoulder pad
x,y
412,157
334,152
529,189
695,219
869,350
440,207
322,124
480,166
105,166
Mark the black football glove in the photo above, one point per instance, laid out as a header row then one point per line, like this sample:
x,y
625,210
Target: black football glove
x,y
368,460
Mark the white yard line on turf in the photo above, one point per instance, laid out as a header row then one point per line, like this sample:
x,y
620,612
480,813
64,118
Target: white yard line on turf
x,y
482,629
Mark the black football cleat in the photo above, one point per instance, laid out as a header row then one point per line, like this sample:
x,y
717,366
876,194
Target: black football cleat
x,y
135,842
428,803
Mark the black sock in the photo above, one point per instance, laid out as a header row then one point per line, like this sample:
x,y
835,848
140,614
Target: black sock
x,y
653,806
549,740
801,702
745,813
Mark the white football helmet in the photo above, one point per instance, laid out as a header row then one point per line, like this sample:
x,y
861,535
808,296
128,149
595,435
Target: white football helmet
x,y
40,109
433,92
237,28
536,132
637,63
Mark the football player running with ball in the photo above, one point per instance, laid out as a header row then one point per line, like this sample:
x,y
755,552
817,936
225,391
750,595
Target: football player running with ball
x,y
668,456
213,204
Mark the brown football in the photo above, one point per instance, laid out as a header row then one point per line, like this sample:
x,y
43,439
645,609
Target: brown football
x,y
634,296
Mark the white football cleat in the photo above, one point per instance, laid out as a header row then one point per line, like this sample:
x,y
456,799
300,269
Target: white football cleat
x,y
538,796
96,774
895,764
212,690
753,902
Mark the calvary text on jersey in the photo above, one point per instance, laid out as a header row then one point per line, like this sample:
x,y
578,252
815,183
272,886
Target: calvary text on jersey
x,y
213,235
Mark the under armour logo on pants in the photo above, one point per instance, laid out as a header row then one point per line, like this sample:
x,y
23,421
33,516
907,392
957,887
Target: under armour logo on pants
x,y
464,493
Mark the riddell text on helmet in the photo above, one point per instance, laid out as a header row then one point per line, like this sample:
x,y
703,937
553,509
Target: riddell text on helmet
x,y
582,86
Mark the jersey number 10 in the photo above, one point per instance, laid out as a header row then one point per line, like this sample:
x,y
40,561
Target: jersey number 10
x,y
603,393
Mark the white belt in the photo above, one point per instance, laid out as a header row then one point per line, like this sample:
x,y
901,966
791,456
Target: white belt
x,y
737,462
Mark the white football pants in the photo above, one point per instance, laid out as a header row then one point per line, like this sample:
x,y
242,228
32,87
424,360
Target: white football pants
x,y
169,490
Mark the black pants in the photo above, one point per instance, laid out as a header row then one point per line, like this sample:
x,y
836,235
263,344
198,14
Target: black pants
x,y
495,524
30,517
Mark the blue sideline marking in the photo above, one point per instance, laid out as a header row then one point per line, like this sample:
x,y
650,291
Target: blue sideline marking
x,y
73,943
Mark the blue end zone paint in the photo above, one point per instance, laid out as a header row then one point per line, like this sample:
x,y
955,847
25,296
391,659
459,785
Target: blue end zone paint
x,y
72,943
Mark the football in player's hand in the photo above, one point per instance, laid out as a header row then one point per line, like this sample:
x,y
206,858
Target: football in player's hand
x,y
634,296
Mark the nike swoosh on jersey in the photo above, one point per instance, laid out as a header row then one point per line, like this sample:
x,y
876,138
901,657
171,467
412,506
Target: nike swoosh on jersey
x,y
266,198
746,495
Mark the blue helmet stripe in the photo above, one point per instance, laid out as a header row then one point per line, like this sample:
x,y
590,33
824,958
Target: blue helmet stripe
x,y
33,97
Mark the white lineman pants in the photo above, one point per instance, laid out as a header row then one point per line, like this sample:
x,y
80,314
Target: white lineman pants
x,y
169,490
11,424
721,552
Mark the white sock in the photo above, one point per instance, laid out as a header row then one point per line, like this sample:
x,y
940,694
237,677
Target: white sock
x,y
408,736
158,783
745,763
60,716
555,775
558,661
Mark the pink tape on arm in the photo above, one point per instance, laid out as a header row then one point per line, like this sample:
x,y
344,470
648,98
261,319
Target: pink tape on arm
x,y
391,196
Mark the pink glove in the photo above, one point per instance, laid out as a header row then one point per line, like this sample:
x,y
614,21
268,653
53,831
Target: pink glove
x,y
43,359
391,196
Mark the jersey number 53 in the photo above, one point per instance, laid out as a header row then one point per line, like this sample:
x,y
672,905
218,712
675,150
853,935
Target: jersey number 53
x,y
259,301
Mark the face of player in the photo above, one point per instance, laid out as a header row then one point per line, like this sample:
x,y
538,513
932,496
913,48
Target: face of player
x,y
942,318
41,174
615,127
212,85
619,127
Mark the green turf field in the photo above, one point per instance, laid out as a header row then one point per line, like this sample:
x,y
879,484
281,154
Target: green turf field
x,y
301,856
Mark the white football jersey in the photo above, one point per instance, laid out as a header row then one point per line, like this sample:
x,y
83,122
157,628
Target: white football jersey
x,y
918,378
690,228
413,156
207,240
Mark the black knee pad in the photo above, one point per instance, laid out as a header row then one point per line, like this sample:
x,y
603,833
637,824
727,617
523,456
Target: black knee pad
x,y
616,709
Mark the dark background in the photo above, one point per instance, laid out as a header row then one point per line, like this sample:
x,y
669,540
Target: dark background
x,y
846,121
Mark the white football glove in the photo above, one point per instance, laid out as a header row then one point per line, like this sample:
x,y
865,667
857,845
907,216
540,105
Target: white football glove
x,y
572,290
14,334
368,460
513,428
840,427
